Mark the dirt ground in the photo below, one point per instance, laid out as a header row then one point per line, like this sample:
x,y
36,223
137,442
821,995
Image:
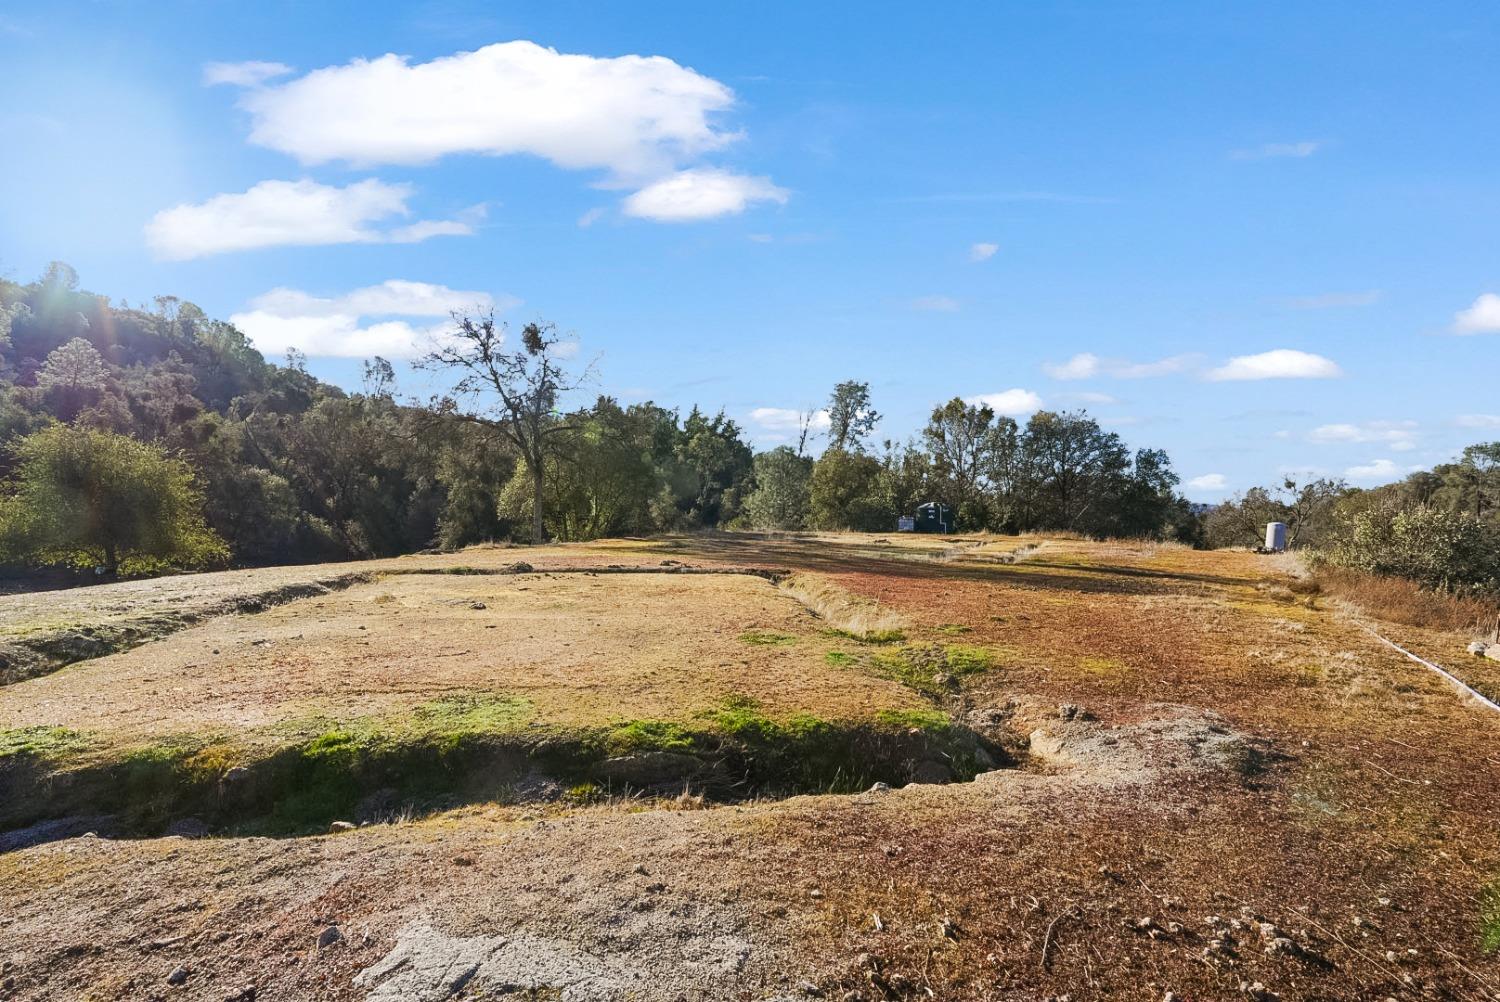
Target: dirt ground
x,y
1232,792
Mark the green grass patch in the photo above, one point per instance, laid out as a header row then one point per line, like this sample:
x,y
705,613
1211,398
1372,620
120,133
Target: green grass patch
x,y
954,629
1102,666
649,735
839,659
934,669
40,742
767,638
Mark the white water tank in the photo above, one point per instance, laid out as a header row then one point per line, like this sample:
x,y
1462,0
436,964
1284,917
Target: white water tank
x,y
1275,536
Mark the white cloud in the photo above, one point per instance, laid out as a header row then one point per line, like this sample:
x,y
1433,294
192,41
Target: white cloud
x,y
1271,151
1087,365
1481,318
292,213
590,217
701,193
250,74
1209,482
1378,472
1477,420
1282,363
1014,403
935,304
787,420
637,116
982,252
1088,397
1398,435
1335,300
290,318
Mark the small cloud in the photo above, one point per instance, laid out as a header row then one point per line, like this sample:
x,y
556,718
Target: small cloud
x,y
1282,363
1398,435
785,419
1087,365
1477,420
701,193
1273,151
1379,472
294,214
1085,397
1481,318
1013,403
1209,482
590,217
982,252
1335,300
935,304
333,326
250,74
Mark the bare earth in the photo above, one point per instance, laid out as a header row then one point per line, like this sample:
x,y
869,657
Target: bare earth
x,y
1231,792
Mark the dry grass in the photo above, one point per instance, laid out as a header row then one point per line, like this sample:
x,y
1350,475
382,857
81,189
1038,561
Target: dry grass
x,y
1398,600
855,615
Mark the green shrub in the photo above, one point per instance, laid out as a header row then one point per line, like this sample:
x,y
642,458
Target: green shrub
x,y
1438,548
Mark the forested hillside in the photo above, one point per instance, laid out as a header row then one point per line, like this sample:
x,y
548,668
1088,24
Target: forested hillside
x,y
174,443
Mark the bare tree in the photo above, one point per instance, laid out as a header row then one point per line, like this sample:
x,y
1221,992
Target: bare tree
x,y
805,421
513,393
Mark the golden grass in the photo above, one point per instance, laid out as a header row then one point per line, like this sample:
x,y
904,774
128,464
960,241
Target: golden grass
x,y
844,611
1398,600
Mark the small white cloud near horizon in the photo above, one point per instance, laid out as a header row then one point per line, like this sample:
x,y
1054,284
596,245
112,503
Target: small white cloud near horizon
x,y
1483,317
1280,363
247,74
1011,403
701,193
935,304
330,327
982,251
1335,300
1378,472
1477,421
1398,435
1209,482
294,214
787,419
1274,151
1087,365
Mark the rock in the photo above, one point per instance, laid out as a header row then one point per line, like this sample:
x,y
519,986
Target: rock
x,y
178,976
329,936
477,606
654,768
188,828
931,771
245,994
1478,647
1492,652
342,826
879,788
1069,711
808,988
1258,992
519,567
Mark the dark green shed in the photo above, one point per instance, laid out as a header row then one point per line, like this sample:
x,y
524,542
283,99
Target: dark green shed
x,y
934,516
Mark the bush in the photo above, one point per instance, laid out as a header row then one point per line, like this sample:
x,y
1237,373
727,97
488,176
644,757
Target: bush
x,y
1446,550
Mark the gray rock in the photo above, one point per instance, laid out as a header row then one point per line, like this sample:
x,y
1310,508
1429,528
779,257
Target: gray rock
x,y
178,976
1492,652
329,936
1478,647
879,788
342,826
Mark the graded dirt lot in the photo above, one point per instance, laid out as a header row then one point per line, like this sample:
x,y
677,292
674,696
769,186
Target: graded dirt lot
x,y
1209,784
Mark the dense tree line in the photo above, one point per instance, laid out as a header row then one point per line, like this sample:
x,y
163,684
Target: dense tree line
x,y
1439,527
136,438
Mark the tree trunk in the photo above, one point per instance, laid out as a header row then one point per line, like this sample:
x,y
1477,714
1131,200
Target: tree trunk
x,y
538,485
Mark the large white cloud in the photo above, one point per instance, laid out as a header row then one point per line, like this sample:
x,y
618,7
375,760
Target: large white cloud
x,y
1398,435
701,193
291,213
337,326
1014,402
1209,482
1481,318
1087,365
1281,363
635,116
1378,472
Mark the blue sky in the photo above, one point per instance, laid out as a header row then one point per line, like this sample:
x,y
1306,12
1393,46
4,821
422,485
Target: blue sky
x,y
1263,238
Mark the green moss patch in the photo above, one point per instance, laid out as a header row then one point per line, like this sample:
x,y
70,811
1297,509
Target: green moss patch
x,y
767,638
40,742
1489,919
934,669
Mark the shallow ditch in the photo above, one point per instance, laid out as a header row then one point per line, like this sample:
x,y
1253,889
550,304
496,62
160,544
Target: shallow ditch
x,y
348,775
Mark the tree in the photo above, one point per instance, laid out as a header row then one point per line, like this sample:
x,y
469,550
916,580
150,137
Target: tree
x,y
968,444
525,387
1072,468
851,419
74,376
781,495
844,492
85,498
1307,510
